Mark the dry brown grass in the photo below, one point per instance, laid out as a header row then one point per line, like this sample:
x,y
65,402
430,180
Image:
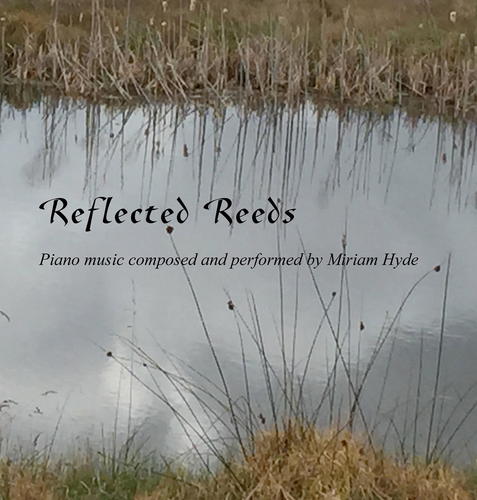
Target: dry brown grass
x,y
368,51
305,464
296,463
25,483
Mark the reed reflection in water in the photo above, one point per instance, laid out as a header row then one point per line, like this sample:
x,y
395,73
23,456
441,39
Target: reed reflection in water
x,y
394,183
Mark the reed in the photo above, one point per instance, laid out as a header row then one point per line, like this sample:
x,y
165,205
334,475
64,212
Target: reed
x,y
277,449
361,51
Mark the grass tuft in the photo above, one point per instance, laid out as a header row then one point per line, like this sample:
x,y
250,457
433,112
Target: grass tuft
x,y
296,462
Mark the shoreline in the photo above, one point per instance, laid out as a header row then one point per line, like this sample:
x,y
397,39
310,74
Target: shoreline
x,y
173,51
293,460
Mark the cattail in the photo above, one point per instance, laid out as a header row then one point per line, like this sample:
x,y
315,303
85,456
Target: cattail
x,y
164,6
453,16
192,5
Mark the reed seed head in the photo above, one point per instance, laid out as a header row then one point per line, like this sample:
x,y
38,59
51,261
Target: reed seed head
x,y
163,24
453,16
224,11
164,6
169,229
192,5
462,36
151,21
80,18
475,50
3,19
437,269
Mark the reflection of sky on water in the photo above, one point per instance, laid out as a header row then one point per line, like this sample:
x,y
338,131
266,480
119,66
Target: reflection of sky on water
x,y
387,178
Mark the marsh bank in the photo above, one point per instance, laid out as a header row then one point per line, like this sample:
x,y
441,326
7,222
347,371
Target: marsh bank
x,y
370,52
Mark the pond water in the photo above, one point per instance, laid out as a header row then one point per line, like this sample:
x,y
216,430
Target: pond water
x,y
393,184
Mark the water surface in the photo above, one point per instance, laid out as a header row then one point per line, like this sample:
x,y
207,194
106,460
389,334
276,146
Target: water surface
x,y
392,184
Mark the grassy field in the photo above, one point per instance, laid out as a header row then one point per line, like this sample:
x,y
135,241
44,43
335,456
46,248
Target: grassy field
x,y
365,51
